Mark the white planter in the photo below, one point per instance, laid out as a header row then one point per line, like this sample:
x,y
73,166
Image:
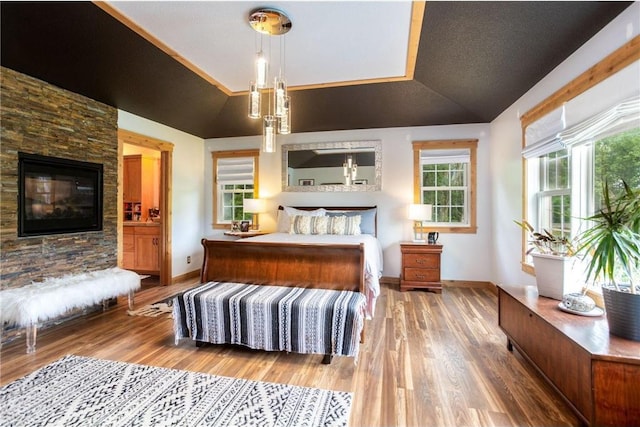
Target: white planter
x,y
557,275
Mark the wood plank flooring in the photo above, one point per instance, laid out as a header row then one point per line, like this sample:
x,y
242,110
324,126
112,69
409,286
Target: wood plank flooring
x,y
428,360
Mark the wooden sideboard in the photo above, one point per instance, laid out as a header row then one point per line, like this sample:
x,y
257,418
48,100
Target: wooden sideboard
x,y
597,374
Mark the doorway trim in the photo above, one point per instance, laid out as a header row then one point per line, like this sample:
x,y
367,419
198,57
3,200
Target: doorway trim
x,y
166,172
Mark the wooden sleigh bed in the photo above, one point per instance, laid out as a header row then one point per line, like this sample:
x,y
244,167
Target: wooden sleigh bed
x,y
314,272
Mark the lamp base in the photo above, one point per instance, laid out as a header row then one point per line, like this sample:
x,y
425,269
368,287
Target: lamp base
x,y
419,241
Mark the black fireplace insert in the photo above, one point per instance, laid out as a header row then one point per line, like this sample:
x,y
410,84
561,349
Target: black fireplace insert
x,y
58,195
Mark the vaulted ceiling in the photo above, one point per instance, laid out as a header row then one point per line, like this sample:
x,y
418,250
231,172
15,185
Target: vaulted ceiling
x,y
351,65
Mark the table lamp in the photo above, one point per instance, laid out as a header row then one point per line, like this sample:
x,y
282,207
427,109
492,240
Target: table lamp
x,y
255,207
419,213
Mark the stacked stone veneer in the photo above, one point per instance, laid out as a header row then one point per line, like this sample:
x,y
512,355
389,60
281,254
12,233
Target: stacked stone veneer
x,y
39,118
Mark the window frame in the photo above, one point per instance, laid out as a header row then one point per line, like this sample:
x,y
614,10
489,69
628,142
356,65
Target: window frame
x,y
217,155
617,60
449,144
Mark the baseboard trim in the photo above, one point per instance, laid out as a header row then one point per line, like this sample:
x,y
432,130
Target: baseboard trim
x,y
395,281
387,280
470,284
186,276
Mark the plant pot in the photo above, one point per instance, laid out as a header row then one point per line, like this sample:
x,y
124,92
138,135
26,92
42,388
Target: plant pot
x,y
557,275
623,313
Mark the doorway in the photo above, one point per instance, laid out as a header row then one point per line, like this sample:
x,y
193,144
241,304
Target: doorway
x,y
133,143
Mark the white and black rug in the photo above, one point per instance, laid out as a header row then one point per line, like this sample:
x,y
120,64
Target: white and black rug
x,y
81,391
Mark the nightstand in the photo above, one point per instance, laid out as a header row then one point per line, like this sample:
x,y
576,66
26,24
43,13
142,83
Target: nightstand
x,y
420,266
243,234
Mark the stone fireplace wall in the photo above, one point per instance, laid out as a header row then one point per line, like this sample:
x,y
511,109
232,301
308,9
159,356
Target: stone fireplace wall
x,y
39,118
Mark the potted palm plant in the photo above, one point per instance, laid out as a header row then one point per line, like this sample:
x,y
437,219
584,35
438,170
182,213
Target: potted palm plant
x,y
612,247
556,268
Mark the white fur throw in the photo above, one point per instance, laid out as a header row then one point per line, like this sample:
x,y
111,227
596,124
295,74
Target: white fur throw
x,y
54,296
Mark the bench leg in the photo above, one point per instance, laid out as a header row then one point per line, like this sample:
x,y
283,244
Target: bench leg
x,y
32,332
130,300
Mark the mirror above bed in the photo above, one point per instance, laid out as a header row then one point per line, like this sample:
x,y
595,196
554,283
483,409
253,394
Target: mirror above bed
x,y
332,166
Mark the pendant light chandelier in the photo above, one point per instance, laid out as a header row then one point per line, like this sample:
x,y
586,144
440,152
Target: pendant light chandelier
x,y
350,170
271,22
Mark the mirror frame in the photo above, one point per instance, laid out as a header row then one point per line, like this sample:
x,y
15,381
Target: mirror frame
x,y
375,144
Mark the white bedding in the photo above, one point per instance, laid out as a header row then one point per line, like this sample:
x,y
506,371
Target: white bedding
x,y
372,256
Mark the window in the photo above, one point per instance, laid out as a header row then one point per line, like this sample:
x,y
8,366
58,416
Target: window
x,y
554,195
575,141
445,177
569,184
235,179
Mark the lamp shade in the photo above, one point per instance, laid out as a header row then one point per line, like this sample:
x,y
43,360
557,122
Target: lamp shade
x,y
420,212
254,205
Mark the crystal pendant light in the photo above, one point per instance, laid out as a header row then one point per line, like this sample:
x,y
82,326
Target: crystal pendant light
x,y
284,124
280,94
349,170
261,70
269,134
254,101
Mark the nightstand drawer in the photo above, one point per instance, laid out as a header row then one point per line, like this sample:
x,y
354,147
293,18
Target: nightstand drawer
x,y
421,260
421,275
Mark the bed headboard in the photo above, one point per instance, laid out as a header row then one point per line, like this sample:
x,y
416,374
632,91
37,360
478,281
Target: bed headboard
x,y
341,208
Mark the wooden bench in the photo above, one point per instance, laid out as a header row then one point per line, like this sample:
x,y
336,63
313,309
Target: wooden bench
x,y
41,301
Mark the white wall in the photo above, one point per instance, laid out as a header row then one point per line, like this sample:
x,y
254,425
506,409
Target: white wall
x,y
465,256
187,187
506,143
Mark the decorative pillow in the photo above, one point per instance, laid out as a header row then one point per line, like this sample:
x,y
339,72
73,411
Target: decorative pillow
x,y
347,225
301,224
368,222
285,214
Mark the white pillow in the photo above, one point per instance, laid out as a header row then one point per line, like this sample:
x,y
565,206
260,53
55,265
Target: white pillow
x,y
284,216
344,225
305,224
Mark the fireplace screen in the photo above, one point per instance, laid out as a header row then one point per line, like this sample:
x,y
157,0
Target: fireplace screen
x,y
58,195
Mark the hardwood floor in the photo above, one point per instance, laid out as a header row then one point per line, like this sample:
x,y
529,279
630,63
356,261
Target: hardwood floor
x,y
428,360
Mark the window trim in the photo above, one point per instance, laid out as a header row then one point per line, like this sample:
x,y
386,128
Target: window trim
x,y
449,144
215,156
622,57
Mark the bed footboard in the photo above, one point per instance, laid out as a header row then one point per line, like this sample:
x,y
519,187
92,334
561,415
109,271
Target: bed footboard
x,y
325,266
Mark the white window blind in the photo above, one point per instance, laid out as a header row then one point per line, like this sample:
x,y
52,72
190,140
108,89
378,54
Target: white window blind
x,y
444,156
541,137
623,116
605,107
235,170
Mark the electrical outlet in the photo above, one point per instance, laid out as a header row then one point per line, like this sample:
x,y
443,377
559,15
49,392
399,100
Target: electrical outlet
x,y
188,260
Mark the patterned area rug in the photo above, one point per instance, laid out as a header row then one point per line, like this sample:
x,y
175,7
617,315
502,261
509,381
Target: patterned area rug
x,y
153,310
81,391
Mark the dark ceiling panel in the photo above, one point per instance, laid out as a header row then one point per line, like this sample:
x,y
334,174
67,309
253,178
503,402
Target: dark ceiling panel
x,y
379,105
79,47
485,55
474,60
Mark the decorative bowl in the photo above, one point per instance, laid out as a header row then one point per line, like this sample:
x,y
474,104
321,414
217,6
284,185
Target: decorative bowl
x,y
578,302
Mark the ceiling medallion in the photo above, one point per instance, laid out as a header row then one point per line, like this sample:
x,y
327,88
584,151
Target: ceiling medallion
x,y
270,21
